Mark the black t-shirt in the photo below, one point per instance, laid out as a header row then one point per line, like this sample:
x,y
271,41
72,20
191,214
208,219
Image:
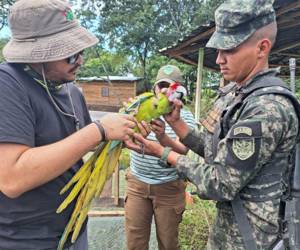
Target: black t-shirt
x,y
29,117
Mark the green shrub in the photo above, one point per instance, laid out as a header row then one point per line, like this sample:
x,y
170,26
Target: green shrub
x,y
196,224
124,159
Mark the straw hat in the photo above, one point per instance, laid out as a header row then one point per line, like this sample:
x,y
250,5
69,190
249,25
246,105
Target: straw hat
x,y
44,31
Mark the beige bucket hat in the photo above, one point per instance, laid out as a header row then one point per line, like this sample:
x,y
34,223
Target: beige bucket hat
x,y
44,31
170,74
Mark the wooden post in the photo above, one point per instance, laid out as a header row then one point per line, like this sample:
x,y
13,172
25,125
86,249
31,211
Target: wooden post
x,y
116,186
106,192
199,83
135,89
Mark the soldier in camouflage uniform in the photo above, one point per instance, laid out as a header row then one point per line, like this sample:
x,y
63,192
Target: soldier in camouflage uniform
x,y
225,96
254,138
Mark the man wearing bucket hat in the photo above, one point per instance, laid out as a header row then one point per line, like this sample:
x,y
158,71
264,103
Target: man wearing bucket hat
x,y
253,138
45,127
153,190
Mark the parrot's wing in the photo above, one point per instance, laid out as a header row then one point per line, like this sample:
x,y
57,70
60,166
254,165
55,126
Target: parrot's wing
x,y
132,107
136,103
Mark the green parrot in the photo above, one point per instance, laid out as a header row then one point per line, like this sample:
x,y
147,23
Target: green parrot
x,y
89,181
147,106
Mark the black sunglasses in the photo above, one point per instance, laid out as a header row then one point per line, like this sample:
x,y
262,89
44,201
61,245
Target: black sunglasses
x,y
162,85
72,59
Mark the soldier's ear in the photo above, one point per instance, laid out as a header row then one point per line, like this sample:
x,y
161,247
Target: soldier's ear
x,y
264,47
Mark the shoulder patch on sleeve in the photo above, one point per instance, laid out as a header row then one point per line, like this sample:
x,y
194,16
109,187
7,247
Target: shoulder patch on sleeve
x,y
243,144
245,130
243,148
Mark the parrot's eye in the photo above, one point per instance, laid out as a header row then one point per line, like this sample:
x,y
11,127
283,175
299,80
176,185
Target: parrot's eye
x,y
155,103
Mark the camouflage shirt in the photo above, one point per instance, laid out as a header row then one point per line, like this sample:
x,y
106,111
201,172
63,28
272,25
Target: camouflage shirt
x,y
225,97
260,140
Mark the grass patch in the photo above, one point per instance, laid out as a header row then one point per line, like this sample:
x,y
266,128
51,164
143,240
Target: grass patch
x,y
196,223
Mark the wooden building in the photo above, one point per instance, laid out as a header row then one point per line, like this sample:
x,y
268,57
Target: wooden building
x,y
109,92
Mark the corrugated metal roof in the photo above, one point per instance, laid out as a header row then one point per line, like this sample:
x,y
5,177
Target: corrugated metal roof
x,y
287,44
109,78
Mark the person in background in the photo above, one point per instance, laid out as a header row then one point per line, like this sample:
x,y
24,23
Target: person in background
x,y
253,139
154,191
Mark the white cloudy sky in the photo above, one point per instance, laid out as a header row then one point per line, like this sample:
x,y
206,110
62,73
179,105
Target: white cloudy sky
x,y
5,32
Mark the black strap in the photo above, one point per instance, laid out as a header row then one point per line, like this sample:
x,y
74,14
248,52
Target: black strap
x,y
243,223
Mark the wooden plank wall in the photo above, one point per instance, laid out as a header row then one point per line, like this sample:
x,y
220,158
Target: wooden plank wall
x,y
119,92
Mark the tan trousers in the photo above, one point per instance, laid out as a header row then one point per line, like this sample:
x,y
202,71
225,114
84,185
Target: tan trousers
x,y
165,201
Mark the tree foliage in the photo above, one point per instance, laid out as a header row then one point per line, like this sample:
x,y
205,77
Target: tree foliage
x,y
139,28
3,41
4,7
131,32
105,63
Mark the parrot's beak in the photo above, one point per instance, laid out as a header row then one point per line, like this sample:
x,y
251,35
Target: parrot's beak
x,y
176,93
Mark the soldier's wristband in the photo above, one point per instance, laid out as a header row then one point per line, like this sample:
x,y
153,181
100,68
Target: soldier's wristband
x,y
101,130
163,160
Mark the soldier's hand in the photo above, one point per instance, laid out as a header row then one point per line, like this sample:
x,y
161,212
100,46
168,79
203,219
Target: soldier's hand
x,y
174,115
118,126
143,146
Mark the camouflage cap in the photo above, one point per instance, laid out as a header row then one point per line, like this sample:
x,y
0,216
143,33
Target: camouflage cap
x,y
170,74
237,20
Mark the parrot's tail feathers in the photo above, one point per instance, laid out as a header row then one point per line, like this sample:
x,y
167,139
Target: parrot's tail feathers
x,y
75,191
102,178
72,220
62,241
89,184
95,176
108,169
79,223
84,167
78,175
114,160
